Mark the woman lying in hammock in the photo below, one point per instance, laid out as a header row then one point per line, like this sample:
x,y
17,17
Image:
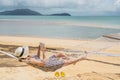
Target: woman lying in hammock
x,y
54,62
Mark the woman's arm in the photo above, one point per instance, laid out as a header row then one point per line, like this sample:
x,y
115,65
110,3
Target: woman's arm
x,y
38,52
36,62
44,55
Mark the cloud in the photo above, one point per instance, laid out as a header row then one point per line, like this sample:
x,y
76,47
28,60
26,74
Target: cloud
x,y
7,2
73,6
117,3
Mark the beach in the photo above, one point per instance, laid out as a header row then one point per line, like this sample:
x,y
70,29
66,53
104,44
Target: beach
x,y
96,67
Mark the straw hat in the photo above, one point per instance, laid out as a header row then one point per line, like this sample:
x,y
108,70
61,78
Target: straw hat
x,y
22,52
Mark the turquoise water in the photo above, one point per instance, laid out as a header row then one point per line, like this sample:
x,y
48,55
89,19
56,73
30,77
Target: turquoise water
x,y
73,27
114,20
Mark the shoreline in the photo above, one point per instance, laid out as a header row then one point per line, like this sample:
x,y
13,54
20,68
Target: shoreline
x,y
56,43
27,40
30,36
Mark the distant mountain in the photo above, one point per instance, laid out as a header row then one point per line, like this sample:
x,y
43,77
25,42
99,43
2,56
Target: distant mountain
x,y
29,12
61,14
20,12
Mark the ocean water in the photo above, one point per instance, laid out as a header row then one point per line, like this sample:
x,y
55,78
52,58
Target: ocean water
x,y
72,27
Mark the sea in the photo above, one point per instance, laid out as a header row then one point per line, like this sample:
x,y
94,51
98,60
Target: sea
x,y
64,27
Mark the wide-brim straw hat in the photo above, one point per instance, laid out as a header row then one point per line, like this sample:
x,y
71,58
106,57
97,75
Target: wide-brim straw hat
x,y
22,52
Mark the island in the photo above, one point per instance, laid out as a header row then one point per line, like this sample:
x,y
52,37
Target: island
x,y
29,12
20,12
60,14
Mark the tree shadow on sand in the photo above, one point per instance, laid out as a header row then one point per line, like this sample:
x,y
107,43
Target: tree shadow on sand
x,y
6,61
11,65
104,62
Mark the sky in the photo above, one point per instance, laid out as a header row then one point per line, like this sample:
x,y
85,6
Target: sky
x,y
74,7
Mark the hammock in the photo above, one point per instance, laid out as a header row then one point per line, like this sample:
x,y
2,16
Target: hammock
x,y
8,54
103,43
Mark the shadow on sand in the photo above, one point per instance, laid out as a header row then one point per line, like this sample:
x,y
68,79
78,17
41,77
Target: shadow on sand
x,y
104,62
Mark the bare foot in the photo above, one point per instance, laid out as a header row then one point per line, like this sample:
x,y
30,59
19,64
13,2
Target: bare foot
x,y
84,57
86,54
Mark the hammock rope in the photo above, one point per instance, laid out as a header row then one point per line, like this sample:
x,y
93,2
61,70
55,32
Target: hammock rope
x,y
106,43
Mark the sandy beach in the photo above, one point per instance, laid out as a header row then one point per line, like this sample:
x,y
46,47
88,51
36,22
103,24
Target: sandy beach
x,y
96,67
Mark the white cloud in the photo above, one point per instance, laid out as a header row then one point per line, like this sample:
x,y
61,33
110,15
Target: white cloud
x,y
51,3
73,6
117,3
7,2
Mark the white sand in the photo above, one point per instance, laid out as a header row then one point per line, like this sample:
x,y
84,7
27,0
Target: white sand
x,y
95,68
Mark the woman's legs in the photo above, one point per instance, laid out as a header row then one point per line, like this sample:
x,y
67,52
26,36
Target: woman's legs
x,y
74,60
61,55
71,61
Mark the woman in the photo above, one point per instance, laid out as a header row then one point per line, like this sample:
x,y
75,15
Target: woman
x,y
54,62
